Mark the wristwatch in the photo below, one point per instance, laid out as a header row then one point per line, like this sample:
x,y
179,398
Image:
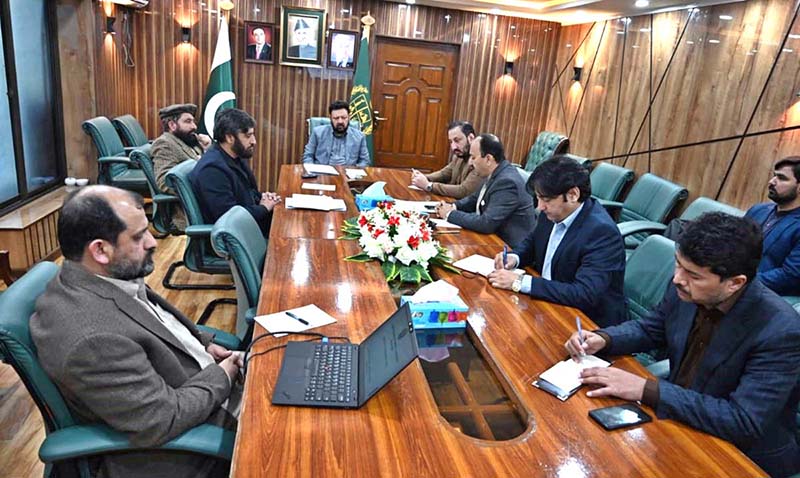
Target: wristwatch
x,y
517,284
429,187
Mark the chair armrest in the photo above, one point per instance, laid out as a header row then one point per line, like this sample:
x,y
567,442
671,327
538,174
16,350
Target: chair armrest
x,y
129,149
88,440
250,315
632,227
165,198
229,341
114,160
199,231
609,204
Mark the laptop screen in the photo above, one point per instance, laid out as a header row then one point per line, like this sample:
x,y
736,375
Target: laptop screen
x,y
386,352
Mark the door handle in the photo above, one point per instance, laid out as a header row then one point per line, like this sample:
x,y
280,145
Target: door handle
x,y
377,115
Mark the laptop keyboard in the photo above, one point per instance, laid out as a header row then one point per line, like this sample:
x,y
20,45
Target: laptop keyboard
x,y
331,373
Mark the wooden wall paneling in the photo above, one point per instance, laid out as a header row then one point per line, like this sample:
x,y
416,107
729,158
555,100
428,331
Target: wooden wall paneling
x,y
632,126
566,93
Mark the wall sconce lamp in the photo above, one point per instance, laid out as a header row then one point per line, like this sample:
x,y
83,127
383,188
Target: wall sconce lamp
x,y
509,68
186,34
577,70
110,25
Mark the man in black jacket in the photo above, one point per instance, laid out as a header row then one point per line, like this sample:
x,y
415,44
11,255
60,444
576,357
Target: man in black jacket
x,y
223,179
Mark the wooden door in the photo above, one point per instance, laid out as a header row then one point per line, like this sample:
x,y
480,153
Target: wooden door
x,y
413,89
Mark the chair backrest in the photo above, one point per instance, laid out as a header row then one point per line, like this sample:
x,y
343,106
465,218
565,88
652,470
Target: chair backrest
x,y
141,156
106,140
178,180
17,305
651,199
702,205
315,121
608,180
130,130
237,237
647,274
546,145
585,162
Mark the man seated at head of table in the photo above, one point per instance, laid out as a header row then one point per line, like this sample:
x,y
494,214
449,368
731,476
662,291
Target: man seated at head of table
x,y
223,178
575,246
459,178
501,205
733,347
337,144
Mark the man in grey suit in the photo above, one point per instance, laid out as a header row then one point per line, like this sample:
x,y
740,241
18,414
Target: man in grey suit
x,y
502,205
119,353
336,143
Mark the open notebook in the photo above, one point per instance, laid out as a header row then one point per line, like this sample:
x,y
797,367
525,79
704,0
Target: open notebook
x,y
478,264
563,379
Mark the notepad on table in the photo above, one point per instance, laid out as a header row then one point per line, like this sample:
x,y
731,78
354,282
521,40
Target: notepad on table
x,y
320,169
442,224
315,202
281,322
355,173
319,187
478,264
411,186
424,207
563,378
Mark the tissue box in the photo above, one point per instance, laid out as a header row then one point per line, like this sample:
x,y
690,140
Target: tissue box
x,y
365,203
437,315
440,338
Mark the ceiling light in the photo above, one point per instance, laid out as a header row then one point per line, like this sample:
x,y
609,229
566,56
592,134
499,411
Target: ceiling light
x,y
713,41
411,2
794,36
641,3
788,50
495,11
689,42
644,30
569,45
725,17
620,32
635,46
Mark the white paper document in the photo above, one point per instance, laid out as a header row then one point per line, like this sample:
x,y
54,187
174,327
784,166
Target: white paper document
x,y
442,224
439,291
355,173
478,264
424,207
282,322
566,375
320,169
315,202
319,187
411,186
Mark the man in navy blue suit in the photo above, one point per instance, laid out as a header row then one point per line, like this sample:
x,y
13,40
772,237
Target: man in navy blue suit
x,y
780,226
733,347
575,246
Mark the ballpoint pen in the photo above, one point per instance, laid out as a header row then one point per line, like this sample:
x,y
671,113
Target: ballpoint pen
x,y
505,256
580,334
302,321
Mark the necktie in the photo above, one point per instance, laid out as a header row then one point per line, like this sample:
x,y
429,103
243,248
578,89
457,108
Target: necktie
x,y
555,240
480,198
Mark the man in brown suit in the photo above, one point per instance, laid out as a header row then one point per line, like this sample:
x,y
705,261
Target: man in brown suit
x,y
458,179
178,143
119,353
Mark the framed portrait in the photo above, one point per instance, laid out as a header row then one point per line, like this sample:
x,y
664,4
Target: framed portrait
x,y
259,41
342,50
303,38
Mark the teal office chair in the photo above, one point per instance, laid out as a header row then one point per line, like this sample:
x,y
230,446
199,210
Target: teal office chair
x,y
198,255
237,237
315,121
163,204
131,131
585,162
547,144
608,181
651,199
697,208
69,444
114,167
648,272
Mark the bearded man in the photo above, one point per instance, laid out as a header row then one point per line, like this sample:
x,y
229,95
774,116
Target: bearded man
x,y
223,178
336,143
780,226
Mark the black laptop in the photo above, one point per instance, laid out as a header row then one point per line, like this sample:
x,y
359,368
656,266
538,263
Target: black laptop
x,y
338,375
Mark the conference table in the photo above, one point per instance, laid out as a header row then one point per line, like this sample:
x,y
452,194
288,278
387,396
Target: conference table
x,y
418,425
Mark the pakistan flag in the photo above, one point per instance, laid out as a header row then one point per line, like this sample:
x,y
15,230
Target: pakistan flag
x,y
360,98
219,92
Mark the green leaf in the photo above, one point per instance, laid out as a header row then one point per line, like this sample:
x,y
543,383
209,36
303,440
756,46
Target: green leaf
x,y
444,265
410,274
425,275
362,257
390,270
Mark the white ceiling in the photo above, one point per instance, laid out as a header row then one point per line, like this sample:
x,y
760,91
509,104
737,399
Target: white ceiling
x,y
567,12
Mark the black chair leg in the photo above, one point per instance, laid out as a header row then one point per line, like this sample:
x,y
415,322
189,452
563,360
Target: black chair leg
x,y
166,282
211,307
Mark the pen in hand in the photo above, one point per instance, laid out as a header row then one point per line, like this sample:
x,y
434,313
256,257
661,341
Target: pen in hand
x,y
505,256
302,321
580,334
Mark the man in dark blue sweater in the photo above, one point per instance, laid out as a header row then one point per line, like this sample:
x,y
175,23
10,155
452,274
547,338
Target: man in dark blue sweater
x,y
223,178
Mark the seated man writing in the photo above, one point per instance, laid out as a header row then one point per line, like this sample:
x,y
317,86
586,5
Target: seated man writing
x,y
501,205
119,353
575,246
337,144
733,347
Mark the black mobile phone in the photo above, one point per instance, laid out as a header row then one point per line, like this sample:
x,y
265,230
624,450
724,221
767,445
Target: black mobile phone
x,y
620,416
308,176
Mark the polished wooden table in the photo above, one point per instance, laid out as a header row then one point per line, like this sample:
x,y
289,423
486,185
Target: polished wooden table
x,y
400,431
